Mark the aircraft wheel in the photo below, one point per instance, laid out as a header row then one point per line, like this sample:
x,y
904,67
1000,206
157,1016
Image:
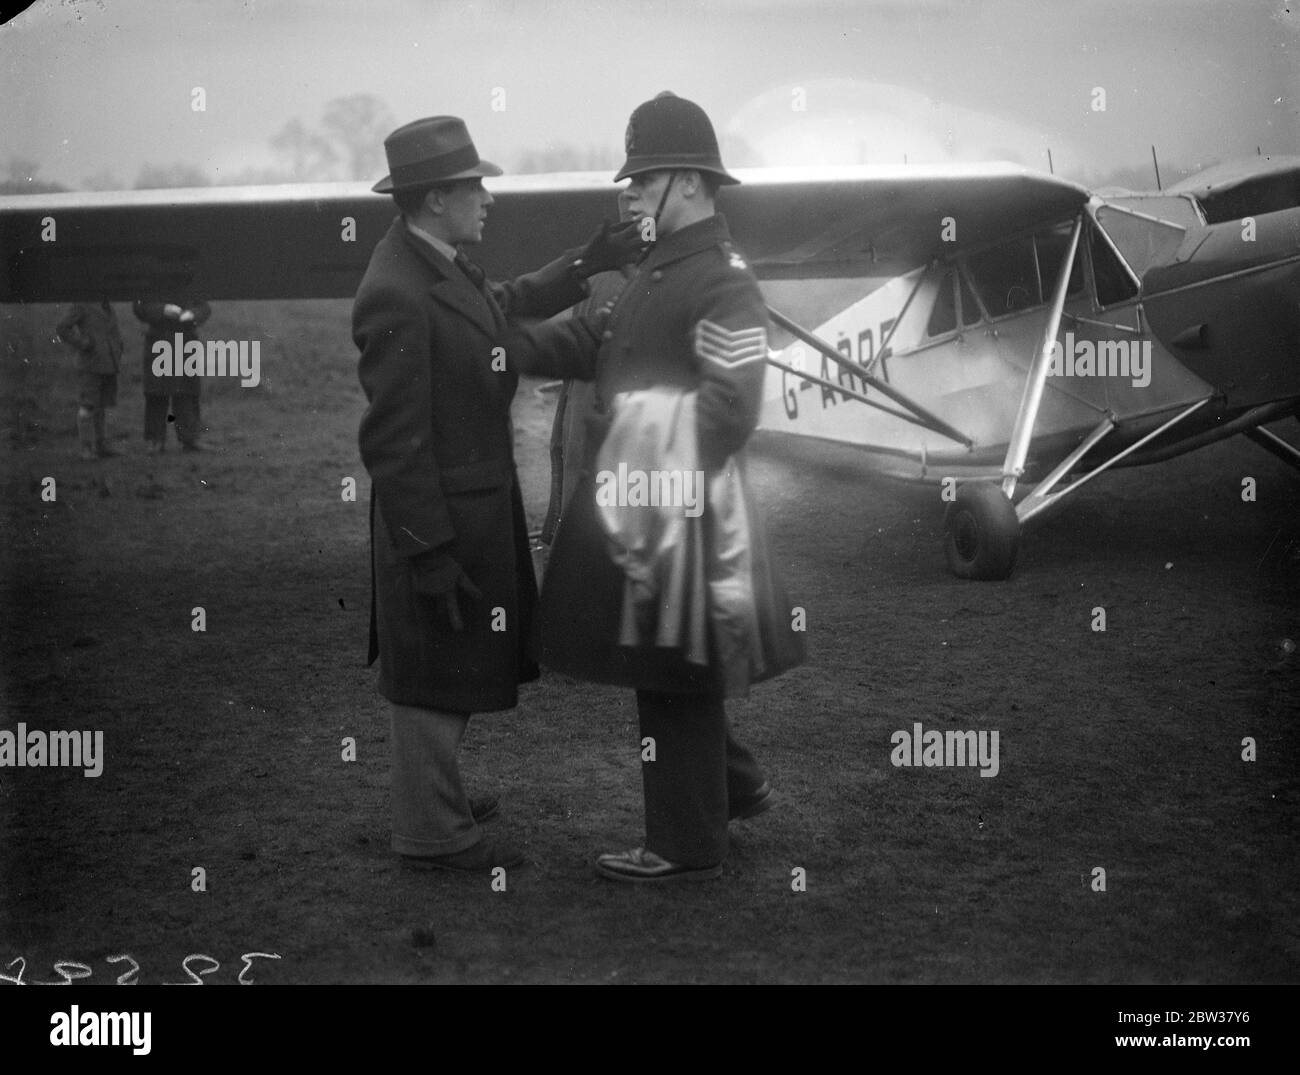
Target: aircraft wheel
x,y
983,533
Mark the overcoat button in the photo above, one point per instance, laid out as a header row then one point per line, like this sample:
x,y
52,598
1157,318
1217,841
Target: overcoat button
x,y
657,274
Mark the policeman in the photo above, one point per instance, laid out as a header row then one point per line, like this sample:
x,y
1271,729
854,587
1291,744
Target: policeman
x,y
684,343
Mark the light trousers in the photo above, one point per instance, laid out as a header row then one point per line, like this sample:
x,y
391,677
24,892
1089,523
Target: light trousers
x,y
431,812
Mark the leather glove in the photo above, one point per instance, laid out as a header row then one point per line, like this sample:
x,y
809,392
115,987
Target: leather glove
x,y
612,246
438,576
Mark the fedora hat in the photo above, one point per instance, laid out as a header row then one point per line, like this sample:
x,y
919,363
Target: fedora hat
x,y
431,151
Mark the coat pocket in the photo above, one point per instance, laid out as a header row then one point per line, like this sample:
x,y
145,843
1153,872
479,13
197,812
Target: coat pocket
x,y
477,496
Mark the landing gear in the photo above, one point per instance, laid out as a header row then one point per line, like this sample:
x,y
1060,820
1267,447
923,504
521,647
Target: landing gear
x,y
983,533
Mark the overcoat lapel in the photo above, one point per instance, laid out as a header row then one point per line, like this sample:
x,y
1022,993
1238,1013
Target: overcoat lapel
x,y
453,288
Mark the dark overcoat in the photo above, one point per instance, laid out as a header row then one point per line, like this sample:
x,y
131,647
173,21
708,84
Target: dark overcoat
x,y
436,440
692,317
158,326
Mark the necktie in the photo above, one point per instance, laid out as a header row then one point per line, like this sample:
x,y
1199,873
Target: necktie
x,y
475,274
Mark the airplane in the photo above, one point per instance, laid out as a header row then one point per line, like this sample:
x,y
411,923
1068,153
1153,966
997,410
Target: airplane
x,y
1005,328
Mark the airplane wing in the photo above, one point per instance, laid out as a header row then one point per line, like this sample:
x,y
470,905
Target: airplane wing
x,y
314,240
884,221
1244,188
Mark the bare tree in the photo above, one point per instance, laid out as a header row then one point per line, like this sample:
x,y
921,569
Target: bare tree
x,y
102,180
307,154
20,178
158,176
358,125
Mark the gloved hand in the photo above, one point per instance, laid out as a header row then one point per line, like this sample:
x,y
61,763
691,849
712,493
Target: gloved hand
x,y
613,245
172,310
437,575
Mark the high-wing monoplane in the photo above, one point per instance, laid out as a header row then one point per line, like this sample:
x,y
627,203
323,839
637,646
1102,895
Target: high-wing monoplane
x,y
1010,335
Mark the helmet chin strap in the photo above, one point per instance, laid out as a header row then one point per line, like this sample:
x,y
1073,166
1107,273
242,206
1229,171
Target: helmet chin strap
x,y
664,198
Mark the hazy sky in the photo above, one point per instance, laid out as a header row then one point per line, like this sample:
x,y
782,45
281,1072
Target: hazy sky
x,y
94,86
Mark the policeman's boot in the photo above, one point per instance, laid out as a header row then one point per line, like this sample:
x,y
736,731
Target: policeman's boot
x,y
101,439
86,433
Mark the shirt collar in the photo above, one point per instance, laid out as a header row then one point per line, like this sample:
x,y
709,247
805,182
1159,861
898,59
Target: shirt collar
x,y
441,246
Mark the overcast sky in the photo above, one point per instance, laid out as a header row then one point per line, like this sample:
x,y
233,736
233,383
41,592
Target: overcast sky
x,y
105,86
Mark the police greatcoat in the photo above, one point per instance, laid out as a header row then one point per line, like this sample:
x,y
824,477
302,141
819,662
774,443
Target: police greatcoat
x,y
437,443
691,318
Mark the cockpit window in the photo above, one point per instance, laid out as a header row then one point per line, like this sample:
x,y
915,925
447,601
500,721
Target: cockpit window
x,y
970,310
1113,284
1051,246
1171,208
1006,276
943,318
1020,274
1142,240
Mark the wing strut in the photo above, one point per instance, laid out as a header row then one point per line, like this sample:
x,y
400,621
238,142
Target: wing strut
x,y
923,417
1042,498
1022,433
1271,442
837,387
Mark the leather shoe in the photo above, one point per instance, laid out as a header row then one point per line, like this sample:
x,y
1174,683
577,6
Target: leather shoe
x,y
641,865
763,800
484,855
484,807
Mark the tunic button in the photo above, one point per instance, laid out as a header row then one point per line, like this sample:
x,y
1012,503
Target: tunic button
x,y
608,334
657,274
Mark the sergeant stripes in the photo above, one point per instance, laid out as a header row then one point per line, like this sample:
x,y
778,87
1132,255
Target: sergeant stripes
x,y
727,347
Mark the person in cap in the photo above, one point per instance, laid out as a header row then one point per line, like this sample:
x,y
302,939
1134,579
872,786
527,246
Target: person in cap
x,y
453,585
91,331
646,587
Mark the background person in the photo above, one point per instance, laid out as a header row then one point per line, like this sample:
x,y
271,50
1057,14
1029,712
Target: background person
x,y
177,394
92,332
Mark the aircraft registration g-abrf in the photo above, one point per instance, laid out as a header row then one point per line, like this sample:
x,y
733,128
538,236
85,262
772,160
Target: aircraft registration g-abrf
x,y
1012,335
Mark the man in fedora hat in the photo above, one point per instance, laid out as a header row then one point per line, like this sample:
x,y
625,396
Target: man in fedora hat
x,y
453,584
678,601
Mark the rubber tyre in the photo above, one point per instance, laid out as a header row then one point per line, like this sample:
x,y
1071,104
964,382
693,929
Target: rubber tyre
x,y
982,533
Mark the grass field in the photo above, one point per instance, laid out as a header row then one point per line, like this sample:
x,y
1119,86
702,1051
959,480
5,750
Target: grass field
x,y
1119,750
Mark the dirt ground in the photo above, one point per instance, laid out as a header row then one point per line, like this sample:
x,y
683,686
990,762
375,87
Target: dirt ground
x,y
1120,750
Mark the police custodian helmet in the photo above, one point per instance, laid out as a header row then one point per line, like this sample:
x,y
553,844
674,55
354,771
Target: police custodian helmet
x,y
671,132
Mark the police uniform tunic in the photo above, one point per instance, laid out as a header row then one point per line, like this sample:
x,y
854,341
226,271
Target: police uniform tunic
x,y
692,317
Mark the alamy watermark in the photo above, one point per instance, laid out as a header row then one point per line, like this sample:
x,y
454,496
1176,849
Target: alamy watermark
x,y
211,358
655,488
1102,358
947,749
37,749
